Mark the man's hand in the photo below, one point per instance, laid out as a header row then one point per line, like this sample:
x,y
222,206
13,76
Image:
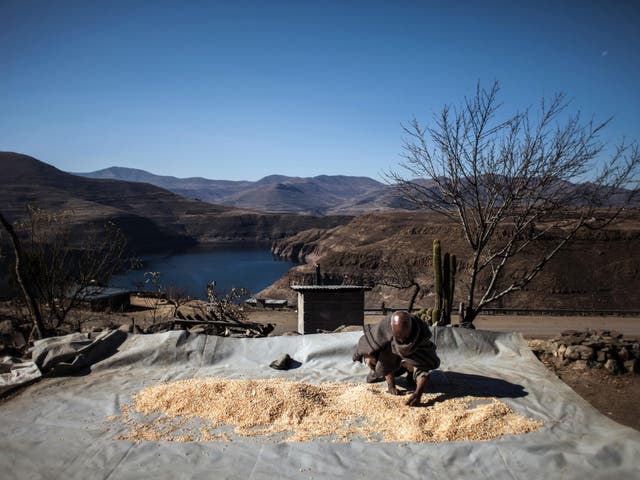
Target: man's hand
x,y
356,357
391,384
371,361
413,400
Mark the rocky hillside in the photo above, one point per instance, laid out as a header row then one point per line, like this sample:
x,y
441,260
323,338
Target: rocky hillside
x,y
153,219
598,271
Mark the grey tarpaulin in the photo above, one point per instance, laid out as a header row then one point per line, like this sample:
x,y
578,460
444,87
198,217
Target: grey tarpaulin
x,y
75,352
56,428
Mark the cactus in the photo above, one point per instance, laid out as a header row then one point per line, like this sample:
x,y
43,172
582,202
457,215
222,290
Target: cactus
x,y
437,282
452,282
424,314
444,281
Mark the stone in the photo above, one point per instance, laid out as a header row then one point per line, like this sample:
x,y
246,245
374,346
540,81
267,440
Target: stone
x,y
6,327
601,357
95,329
623,354
283,362
612,366
580,365
197,329
574,339
632,366
572,353
569,333
586,353
615,334
561,350
126,327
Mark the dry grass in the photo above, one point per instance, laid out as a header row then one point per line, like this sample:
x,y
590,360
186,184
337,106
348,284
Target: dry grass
x,y
301,412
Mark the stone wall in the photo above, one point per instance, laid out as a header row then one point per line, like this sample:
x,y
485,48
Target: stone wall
x,y
602,349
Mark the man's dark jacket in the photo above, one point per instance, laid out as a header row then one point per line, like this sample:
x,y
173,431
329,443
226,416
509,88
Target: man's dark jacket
x,y
418,351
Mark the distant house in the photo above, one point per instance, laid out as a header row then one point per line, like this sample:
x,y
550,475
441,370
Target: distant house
x,y
326,307
266,302
105,298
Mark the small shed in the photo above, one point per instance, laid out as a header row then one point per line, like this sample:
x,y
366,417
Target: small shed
x,y
326,307
105,298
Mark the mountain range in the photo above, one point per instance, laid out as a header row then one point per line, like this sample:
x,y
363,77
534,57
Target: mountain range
x,y
152,218
321,195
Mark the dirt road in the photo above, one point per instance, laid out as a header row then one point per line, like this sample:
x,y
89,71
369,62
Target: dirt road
x,y
546,327
529,326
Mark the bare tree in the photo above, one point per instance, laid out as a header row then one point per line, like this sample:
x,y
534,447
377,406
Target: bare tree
x,y
510,183
177,297
227,307
401,274
56,266
25,287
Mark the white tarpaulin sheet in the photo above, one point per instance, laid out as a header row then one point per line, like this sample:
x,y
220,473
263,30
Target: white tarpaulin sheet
x,y
56,428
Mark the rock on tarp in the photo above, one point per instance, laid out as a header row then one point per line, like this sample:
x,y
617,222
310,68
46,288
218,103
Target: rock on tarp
x,y
57,427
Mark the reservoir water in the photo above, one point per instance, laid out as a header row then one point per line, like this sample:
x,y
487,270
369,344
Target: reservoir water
x,y
250,268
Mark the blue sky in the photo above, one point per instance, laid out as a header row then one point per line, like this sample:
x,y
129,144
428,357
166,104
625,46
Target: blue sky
x,y
240,90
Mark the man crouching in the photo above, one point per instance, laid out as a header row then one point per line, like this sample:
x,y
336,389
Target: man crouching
x,y
395,345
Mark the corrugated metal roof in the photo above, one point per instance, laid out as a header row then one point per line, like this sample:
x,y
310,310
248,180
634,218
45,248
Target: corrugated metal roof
x,y
348,288
275,302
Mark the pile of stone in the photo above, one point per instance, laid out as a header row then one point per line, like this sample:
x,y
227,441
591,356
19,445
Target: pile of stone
x,y
597,349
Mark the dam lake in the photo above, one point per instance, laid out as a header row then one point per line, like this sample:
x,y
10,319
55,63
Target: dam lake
x,y
250,268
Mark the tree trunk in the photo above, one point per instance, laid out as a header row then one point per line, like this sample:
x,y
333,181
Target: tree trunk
x,y
470,315
416,290
28,296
